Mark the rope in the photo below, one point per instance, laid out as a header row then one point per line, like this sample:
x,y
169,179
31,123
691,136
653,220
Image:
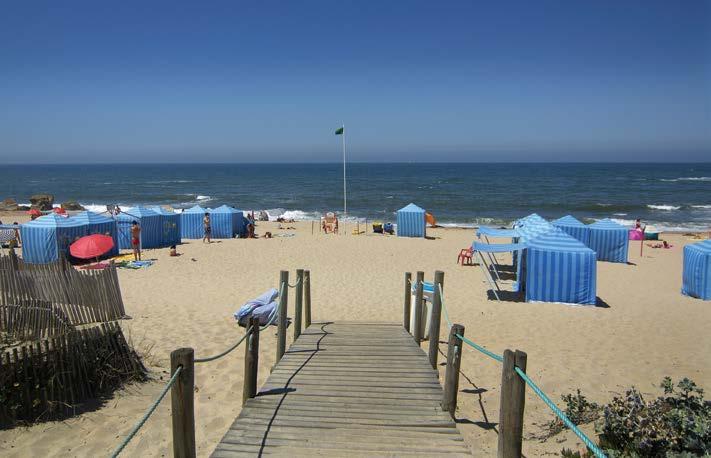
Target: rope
x,y
594,448
148,413
295,284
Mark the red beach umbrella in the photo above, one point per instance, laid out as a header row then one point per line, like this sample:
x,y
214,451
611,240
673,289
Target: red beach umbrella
x,y
59,210
91,246
34,212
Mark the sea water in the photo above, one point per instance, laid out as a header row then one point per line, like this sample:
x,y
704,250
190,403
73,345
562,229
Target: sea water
x,y
671,196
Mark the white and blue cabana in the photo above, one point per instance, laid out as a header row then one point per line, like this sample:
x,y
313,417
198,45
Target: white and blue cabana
x,y
490,249
99,224
47,238
411,221
573,227
696,279
170,226
560,268
609,240
191,226
151,231
226,222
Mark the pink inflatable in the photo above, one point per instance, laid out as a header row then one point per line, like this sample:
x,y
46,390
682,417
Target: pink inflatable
x,y
636,235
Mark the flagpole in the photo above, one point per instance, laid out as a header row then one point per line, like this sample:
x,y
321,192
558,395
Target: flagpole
x,y
343,126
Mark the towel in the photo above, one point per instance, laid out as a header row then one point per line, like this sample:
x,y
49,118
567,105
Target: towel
x,y
259,302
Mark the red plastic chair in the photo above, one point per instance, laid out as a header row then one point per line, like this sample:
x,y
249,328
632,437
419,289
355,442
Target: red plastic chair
x,y
465,256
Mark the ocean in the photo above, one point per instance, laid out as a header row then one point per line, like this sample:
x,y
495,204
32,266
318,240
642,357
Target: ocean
x,y
670,196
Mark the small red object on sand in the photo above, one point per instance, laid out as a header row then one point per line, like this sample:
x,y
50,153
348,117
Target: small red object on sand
x,y
465,255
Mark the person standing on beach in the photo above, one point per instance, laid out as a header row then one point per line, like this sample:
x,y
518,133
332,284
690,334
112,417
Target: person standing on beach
x,y
136,240
208,229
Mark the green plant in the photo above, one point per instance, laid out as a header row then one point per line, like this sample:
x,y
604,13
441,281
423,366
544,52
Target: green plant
x,y
578,409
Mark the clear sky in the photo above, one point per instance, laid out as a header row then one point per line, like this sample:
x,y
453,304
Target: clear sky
x,y
414,80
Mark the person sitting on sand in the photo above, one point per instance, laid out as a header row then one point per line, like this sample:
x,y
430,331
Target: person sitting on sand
x,y
208,228
173,251
136,240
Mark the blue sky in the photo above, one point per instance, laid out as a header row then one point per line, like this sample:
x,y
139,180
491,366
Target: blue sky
x,y
417,80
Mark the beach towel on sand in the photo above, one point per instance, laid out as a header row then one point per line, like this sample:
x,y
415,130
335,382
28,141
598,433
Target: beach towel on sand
x,y
261,307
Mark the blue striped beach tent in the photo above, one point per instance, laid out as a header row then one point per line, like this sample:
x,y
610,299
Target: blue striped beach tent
x,y
572,226
150,222
696,279
99,224
191,223
411,221
169,226
47,238
226,222
528,228
560,268
609,240
491,248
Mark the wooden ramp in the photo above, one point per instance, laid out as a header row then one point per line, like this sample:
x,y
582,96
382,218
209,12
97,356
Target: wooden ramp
x,y
347,388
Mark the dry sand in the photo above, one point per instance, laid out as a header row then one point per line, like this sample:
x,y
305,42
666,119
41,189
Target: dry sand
x,y
648,331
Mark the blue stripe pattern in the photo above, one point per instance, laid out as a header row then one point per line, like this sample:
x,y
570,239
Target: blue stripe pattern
x,y
48,237
498,247
493,232
191,223
411,221
609,240
170,226
696,278
226,222
99,224
559,268
573,227
151,229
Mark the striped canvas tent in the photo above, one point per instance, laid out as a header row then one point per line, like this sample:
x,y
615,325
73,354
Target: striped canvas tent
x,y
411,221
169,226
560,268
572,226
47,238
528,228
99,224
609,240
191,223
150,222
696,279
226,222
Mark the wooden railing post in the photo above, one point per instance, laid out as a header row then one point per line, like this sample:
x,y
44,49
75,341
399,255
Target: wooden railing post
x,y
182,403
13,259
408,301
307,299
281,321
513,397
417,324
299,303
436,318
451,375
251,361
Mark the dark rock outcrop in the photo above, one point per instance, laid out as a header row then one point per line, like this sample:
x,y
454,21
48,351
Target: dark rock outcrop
x,y
42,202
8,205
72,205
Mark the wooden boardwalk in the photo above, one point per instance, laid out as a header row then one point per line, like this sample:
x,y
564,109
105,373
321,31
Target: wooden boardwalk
x,y
347,388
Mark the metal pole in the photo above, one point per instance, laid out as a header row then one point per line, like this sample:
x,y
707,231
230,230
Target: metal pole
x,y
343,126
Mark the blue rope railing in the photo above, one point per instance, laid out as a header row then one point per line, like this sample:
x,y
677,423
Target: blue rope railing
x,y
564,418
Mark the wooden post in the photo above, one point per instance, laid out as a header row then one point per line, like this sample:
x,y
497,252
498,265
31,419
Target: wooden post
x,y
281,321
182,403
408,301
299,303
436,318
513,397
417,324
451,375
307,299
251,361
13,259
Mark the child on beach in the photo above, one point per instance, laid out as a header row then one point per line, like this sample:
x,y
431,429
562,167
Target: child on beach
x,y
136,240
208,229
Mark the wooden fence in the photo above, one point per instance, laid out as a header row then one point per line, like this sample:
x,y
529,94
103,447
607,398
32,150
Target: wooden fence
x,y
49,379
41,300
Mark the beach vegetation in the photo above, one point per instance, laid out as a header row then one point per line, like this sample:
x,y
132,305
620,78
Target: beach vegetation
x,y
676,424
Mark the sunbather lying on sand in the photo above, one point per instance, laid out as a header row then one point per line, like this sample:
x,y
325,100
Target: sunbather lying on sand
x,y
664,244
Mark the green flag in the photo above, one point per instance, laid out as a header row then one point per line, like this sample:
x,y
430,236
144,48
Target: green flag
x,y
339,131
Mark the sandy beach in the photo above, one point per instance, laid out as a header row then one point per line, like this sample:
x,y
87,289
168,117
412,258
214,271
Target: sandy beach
x,y
645,331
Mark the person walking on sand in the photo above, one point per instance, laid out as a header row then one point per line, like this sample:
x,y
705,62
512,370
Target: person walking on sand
x,y
208,229
136,240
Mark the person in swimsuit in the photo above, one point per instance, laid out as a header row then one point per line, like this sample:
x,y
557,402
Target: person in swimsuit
x,y
136,240
206,226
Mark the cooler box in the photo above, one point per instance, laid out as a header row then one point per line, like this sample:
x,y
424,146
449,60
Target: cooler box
x,y
427,295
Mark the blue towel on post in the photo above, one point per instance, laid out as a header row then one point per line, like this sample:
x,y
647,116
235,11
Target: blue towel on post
x,y
249,307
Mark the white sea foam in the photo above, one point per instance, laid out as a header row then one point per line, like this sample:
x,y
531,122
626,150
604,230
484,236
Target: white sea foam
x,y
203,198
701,206
686,179
664,207
624,222
620,214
